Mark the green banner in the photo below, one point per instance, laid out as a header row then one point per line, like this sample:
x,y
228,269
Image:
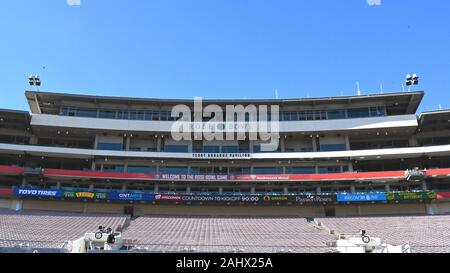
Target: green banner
x,y
402,196
84,195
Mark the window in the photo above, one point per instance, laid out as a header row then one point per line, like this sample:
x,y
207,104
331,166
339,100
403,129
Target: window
x,y
211,149
113,168
174,170
301,170
320,115
141,169
86,113
134,115
122,115
110,146
267,171
107,114
333,147
336,114
377,111
358,113
330,169
176,148
230,149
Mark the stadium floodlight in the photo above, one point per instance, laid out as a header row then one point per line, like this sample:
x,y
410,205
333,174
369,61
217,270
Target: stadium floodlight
x,y
34,81
411,80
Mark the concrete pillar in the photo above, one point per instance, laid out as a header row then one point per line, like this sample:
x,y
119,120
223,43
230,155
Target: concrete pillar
x,y
93,166
58,185
250,146
424,186
127,143
188,188
350,167
317,168
33,140
220,190
314,144
352,189
285,190
24,182
85,207
253,189
158,144
318,190
156,188
16,205
413,142
283,144
387,188
347,142
124,188
96,142
91,187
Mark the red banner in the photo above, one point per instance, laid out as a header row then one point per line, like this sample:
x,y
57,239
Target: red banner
x,y
443,195
6,192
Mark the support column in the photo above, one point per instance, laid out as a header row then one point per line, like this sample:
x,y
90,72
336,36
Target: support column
x,y
188,188
347,143
283,144
58,185
96,142
158,144
127,143
220,190
424,186
253,189
318,190
124,188
91,187
314,144
352,189
387,188
156,188
285,190
24,182
350,167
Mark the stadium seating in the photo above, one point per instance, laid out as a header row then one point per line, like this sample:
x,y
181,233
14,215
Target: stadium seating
x,y
424,233
40,229
208,234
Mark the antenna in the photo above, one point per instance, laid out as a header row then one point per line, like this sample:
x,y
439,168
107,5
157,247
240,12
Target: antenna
x,y
359,90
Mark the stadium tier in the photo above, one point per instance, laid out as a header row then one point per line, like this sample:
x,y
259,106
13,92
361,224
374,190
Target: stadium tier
x,y
178,163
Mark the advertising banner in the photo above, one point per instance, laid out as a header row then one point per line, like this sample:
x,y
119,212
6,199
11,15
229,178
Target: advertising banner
x,y
6,192
207,198
402,196
24,192
369,197
443,195
130,196
315,199
85,195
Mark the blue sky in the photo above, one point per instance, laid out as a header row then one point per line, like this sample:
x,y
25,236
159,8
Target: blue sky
x,y
224,48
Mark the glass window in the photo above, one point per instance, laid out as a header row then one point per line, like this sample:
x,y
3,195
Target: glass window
x,y
174,170
135,115
141,169
230,149
107,114
377,111
332,147
320,115
176,148
211,149
87,113
267,170
358,113
301,170
110,146
330,169
113,168
122,115
336,114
